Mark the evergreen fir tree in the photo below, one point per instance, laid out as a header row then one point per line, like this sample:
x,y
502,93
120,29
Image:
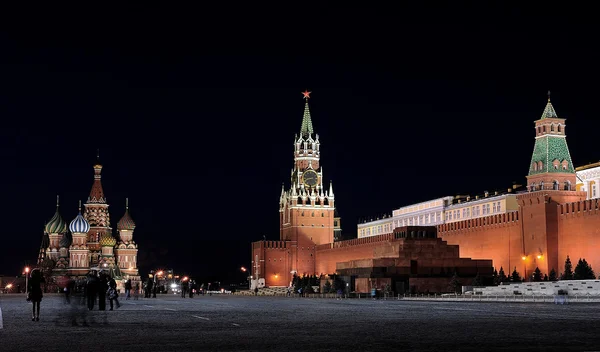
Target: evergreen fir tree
x,y
545,277
297,283
583,271
327,287
495,277
568,273
515,277
502,276
537,275
476,280
553,276
454,285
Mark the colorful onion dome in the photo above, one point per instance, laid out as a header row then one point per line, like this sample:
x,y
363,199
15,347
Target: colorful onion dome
x,y
79,224
56,224
107,241
65,241
126,222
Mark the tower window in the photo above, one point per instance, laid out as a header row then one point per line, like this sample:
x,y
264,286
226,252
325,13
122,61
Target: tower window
x,y
551,128
313,214
558,128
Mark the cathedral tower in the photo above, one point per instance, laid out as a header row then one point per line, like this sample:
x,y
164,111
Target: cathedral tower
x,y
306,210
79,262
96,214
126,250
56,228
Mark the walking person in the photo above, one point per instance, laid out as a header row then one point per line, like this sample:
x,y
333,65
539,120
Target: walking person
x,y
112,293
91,289
102,288
136,291
69,287
35,292
127,289
184,287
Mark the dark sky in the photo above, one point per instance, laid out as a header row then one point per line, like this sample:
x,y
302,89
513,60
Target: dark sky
x,y
195,109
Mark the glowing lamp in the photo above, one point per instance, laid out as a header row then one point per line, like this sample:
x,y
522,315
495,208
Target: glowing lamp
x,y
523,257
26,269
539,256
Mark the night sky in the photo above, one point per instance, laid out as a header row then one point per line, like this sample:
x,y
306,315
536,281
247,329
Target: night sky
x,y
195,110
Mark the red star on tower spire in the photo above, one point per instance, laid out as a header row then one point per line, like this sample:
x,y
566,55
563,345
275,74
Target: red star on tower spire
x,y
306,94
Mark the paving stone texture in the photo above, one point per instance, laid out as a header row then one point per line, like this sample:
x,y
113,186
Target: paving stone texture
x,y
247,323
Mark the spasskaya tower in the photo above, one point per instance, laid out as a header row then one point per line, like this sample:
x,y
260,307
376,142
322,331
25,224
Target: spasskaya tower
x,y
306,209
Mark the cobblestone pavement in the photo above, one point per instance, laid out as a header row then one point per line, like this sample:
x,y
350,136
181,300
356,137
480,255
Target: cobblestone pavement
x,y
246,323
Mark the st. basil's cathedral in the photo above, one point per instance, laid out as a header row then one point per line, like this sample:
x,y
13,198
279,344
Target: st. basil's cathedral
x,y
87,243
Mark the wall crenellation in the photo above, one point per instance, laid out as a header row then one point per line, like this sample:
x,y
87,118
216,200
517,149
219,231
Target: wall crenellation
x,y
506,219
585,207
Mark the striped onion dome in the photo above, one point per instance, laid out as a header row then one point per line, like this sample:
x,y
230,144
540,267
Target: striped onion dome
x,y
107,241
56,224
79,224
126,222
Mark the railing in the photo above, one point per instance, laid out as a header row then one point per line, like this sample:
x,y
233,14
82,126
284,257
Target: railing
x,y
558,299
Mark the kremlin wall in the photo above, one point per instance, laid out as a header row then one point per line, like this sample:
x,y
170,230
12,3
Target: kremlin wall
x,y
419,246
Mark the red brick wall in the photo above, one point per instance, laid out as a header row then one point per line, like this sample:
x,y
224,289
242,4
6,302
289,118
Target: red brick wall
x,y
361,248
535,229
579,233
495,237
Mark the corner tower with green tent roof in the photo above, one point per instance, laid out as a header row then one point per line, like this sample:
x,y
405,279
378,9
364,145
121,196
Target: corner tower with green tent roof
x,y
551,167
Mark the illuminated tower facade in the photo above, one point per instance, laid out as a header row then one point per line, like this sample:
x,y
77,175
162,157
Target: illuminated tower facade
x,y
551,167
56,228
96,214
126,249
306,208
79,253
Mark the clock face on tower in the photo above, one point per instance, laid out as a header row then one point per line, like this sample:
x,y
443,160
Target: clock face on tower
x,y
310,178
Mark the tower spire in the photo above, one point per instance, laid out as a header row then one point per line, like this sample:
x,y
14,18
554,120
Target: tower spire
x,y
80,206
307,128
97,193
57,201
549,111
126,203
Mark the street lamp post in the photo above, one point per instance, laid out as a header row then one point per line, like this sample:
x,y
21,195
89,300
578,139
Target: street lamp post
x,y
26,280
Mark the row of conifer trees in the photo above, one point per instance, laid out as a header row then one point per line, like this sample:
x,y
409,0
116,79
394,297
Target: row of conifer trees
x,y
583,271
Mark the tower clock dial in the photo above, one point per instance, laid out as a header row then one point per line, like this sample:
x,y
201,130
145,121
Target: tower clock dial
x,y
310,178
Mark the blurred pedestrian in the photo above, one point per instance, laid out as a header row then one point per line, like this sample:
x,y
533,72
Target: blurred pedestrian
x,y
112,293
127,289
102,288
35,292
136,291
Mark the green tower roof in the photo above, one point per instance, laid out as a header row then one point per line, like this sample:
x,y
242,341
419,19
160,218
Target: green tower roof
x,y
551,150
307,128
